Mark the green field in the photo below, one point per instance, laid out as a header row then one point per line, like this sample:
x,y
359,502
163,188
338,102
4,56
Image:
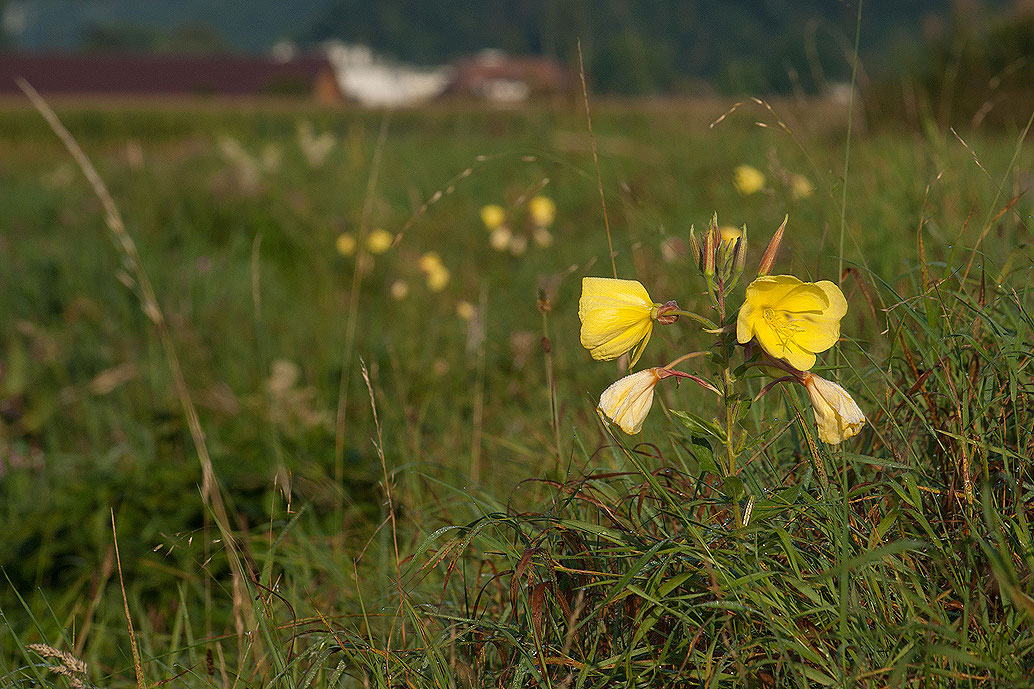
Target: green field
x,y
453,518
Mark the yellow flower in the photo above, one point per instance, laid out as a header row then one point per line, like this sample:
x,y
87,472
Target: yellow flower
x,y
437,279
730,233
345,244
617,316
542,210
379,241
430,262
465,310
836,414
791,320
627,401
748,179
801,186
493,216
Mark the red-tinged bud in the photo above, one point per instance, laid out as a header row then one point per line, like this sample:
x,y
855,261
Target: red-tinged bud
x,y
767,261
664,315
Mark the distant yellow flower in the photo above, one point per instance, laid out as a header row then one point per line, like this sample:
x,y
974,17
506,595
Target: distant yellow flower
x,y
792,320
500,238
748,179
801,186
379,241
730,233
437,279
465,310
627,401
430,262
399,290
493,216
345,244
836,413
617,316
542,210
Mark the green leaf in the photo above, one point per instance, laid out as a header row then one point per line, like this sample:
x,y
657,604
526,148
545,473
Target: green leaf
x,y
734,488
697,424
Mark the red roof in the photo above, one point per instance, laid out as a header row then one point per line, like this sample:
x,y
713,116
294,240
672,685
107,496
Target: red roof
x,y
130,74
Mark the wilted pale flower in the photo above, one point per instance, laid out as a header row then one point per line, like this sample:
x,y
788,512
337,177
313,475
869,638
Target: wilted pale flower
x,y
379,241
748,179
465,310
791,320
500,238
617,316
399,290
437,279
430,262
627,401
345,244
542,237
542,210
493,216
518,244
836,413
801,186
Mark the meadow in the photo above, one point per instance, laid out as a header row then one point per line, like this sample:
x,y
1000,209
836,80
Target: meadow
x,y
417,485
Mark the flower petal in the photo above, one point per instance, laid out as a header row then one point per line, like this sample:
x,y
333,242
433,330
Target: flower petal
x,y
628,400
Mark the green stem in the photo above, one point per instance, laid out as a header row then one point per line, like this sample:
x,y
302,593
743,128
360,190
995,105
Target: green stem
x,y
706,322
730,444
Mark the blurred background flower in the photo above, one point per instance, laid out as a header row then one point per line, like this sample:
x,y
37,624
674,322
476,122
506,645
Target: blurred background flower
x,y
492,216
801,187
379,241
748,179
345,244
542,210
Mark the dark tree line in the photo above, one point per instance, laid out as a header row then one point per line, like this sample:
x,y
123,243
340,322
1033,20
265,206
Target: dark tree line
x,y
646,46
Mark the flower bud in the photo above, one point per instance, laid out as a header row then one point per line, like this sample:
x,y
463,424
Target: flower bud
x,y
711,241
768,259
694,245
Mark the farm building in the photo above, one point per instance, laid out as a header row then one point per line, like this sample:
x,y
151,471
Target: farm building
x,y
164,75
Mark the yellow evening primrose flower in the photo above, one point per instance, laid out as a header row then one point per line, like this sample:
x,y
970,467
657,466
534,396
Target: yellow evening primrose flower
x,y
792,320
729,233
430,262
836,413
617,316
542,210
465,310
627,401
379,241
493,216
748,179
345,244
437,279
